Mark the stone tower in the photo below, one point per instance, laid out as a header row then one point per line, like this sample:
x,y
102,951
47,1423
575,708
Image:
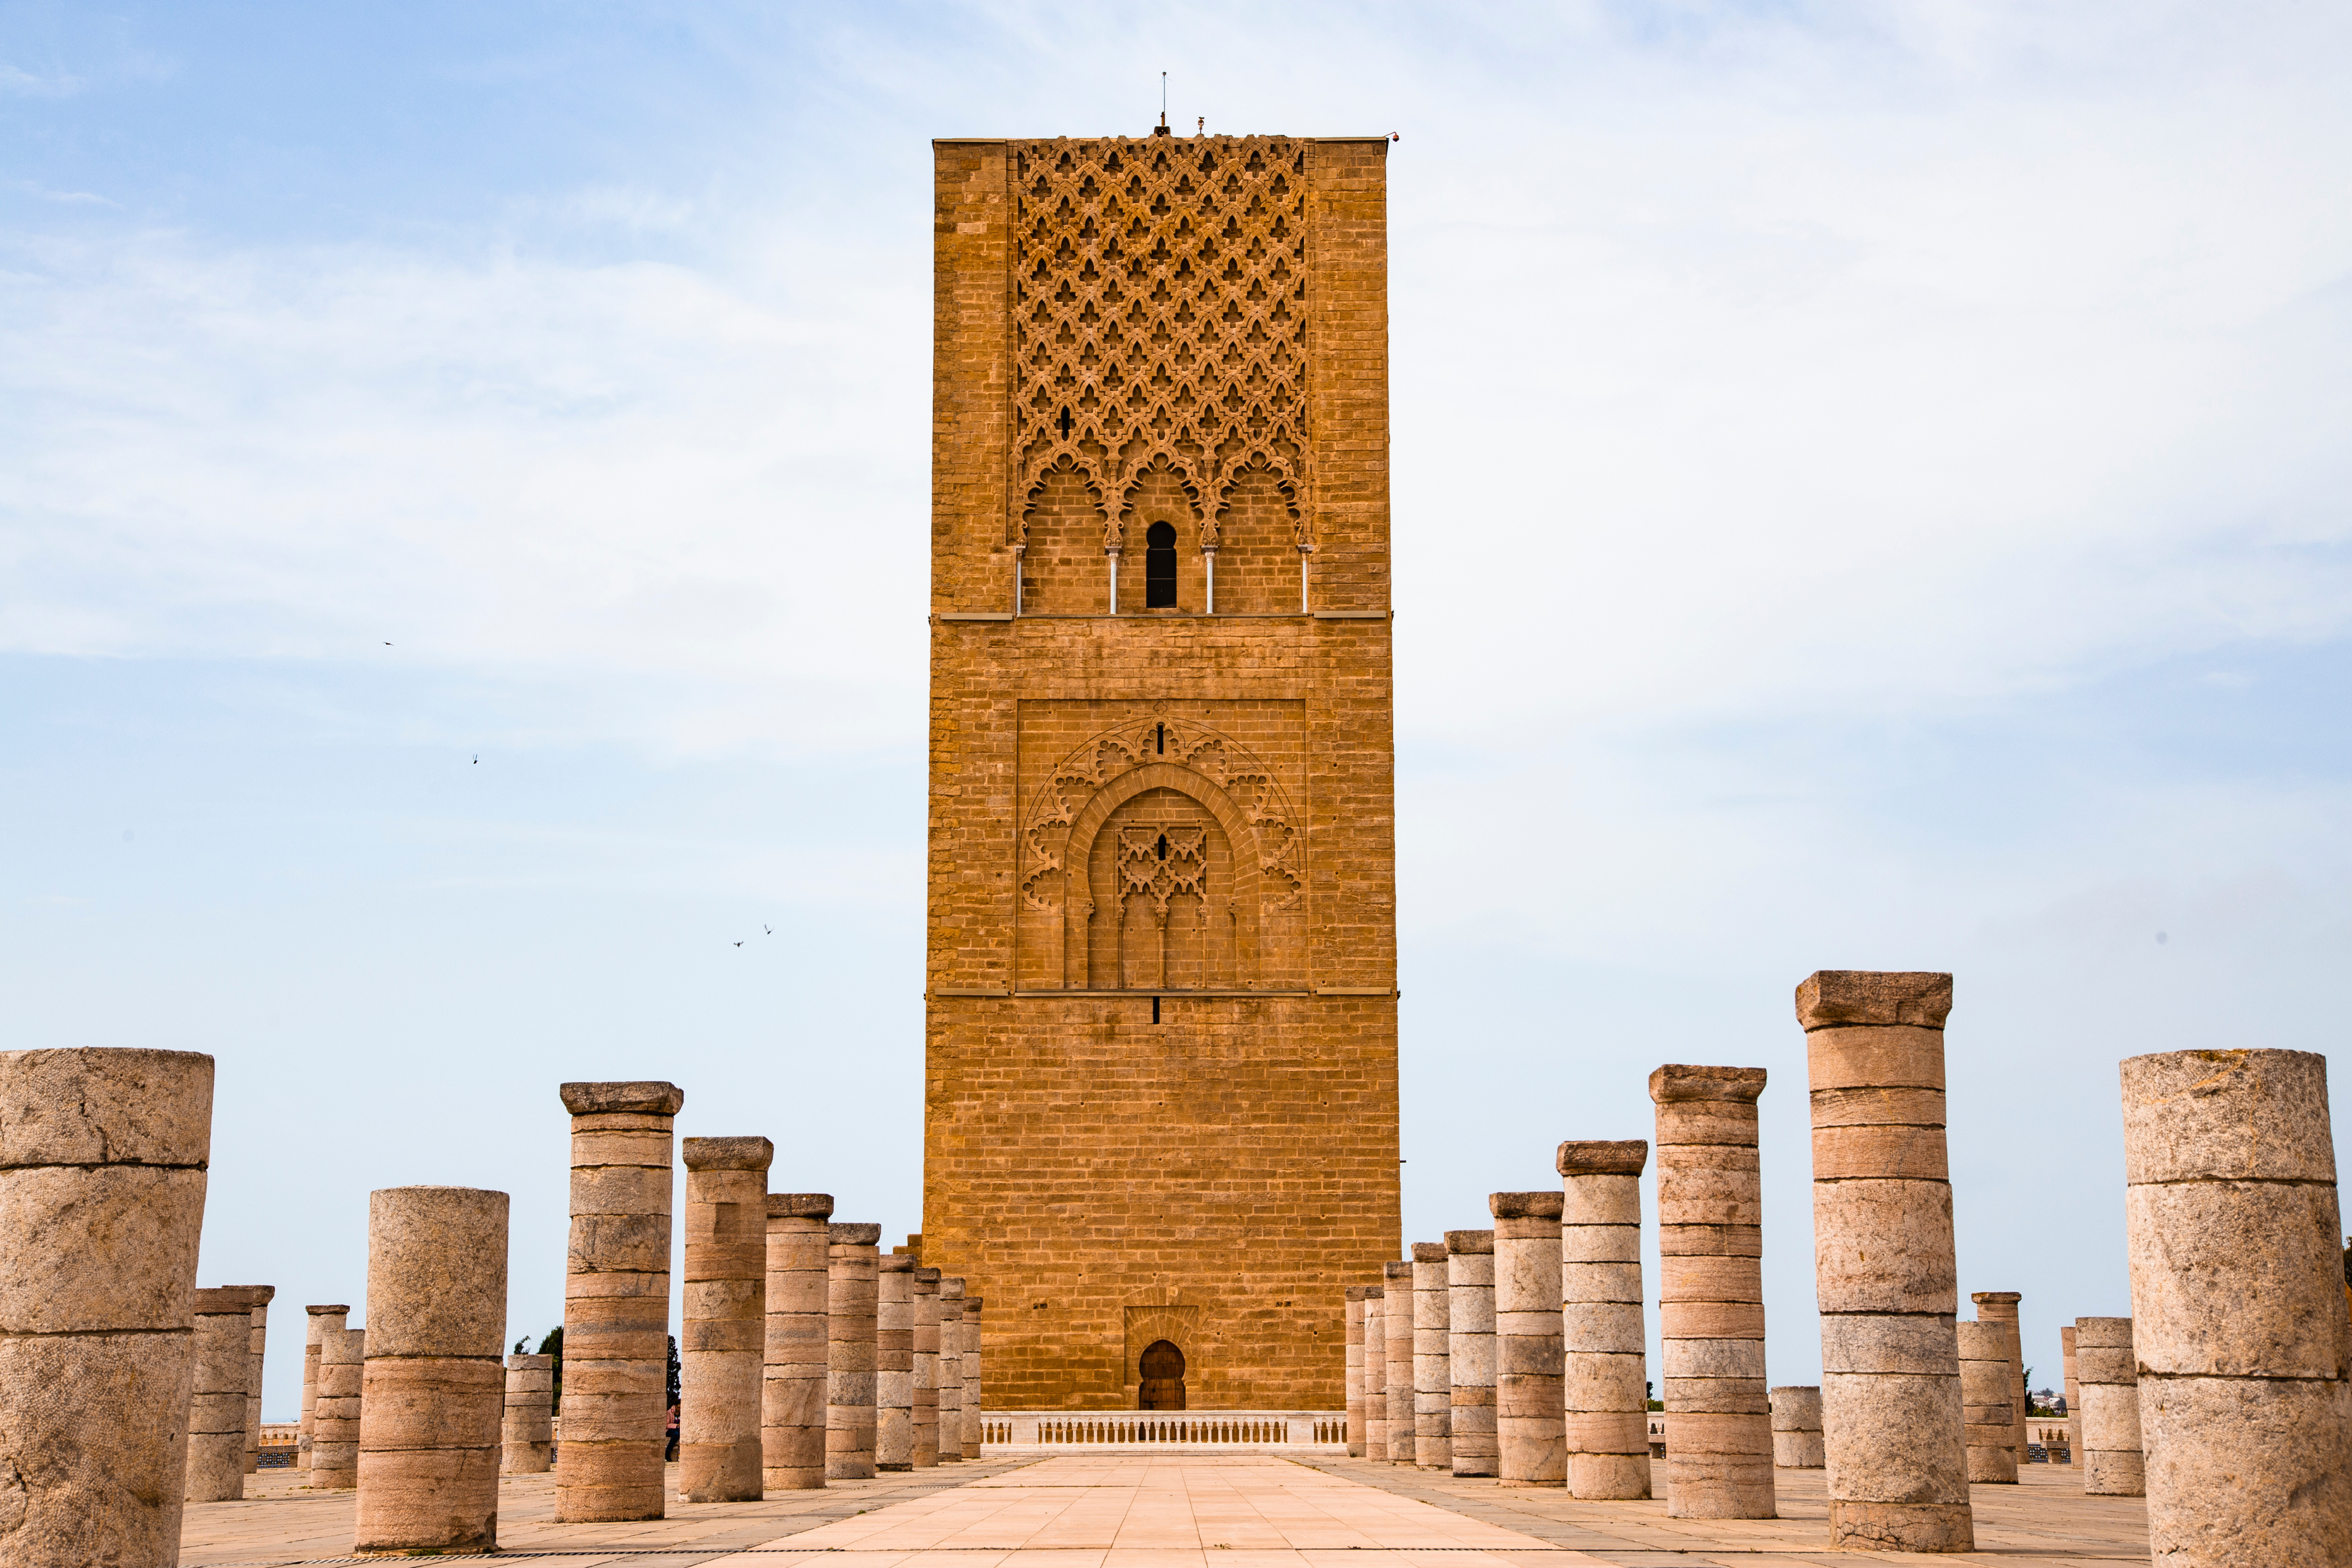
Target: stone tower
x,y
1161,1092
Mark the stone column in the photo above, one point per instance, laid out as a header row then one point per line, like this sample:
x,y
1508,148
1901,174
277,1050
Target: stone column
x,y
950,1373
1433,1380
1985,1425
925,1423
335,1422
257,1339
1796,1429
972,1406
1530,1429
1356,1372
894,1363
433,1391
1396,1330
223,1360
528,1433
2238,1307
852,1260
1604,1361
792,1385
2112,1463
2073,1394
608,1468
1470,1348
321,1320
2000,1307
721,1344
1376,1374
1711,1293
1885,1273
102,1156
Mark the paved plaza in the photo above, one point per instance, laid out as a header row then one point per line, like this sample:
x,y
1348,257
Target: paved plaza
x,y
1167,1511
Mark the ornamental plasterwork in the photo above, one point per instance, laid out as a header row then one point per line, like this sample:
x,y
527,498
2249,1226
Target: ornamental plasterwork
x,y
1159,737
1159,319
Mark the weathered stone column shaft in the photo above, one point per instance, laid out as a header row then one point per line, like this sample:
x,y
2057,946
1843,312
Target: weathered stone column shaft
x,y
893,1365
1985,1424
792,1399
1396,1334
1796,1429
721,1347
926,1422
322,1319
433,1385
1355,1384
2238,1323
1886,1276
1470,1348
2112,1462
1376,1374
258,1342
608,1468
1432,1382
335,1423
526,1433
2074,1395
852,1263
224,1361
1604,1362
102,1157
972,1412
2000,1307
1530,1430
950,1369
1711,1293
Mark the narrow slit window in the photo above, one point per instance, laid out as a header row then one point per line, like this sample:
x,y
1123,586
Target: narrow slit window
x,y
1065,421
1159,567
1155,1010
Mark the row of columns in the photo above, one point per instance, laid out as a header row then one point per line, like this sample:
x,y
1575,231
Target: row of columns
x,y
2228,1398
805,1355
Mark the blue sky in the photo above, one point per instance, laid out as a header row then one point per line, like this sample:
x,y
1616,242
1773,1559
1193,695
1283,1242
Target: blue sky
x,y
1871,492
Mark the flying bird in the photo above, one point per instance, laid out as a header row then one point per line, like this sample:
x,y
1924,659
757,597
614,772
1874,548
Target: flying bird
x,y
739,944
770,930
478,759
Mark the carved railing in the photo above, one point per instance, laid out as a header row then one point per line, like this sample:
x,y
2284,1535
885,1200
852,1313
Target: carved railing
x,y
1226,1431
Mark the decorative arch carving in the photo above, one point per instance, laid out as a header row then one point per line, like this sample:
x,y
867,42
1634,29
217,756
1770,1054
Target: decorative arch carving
x,y
1065,464
1159,750
1158,313
1283,483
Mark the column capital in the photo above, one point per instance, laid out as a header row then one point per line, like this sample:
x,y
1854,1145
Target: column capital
x,y
1624,1156
643,1097
1524,1205
1828,997
1679,1081
729,1154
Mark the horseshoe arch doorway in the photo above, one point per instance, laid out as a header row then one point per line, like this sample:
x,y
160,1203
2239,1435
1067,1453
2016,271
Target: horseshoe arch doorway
x,y
1162,1378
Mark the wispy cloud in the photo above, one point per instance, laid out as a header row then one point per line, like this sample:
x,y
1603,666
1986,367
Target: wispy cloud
x,y
16,81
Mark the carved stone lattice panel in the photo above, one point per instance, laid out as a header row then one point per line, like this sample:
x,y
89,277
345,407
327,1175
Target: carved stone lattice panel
x,y
1159,818
1162,860
1159,319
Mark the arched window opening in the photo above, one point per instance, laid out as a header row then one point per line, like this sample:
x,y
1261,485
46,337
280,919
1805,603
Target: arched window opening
x,y
1159,567
1161,1377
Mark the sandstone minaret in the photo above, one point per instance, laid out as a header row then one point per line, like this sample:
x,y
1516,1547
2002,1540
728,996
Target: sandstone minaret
x,y
1162,852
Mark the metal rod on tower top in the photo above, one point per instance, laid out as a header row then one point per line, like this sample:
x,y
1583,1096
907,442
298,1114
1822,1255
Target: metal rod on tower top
x,y
1163,98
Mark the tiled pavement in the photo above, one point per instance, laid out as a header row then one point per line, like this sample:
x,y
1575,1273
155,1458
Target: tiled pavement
x,y
1172,1512
2042,1522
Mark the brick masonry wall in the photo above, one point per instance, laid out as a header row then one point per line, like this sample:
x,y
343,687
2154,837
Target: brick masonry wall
x,y
1216,1178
